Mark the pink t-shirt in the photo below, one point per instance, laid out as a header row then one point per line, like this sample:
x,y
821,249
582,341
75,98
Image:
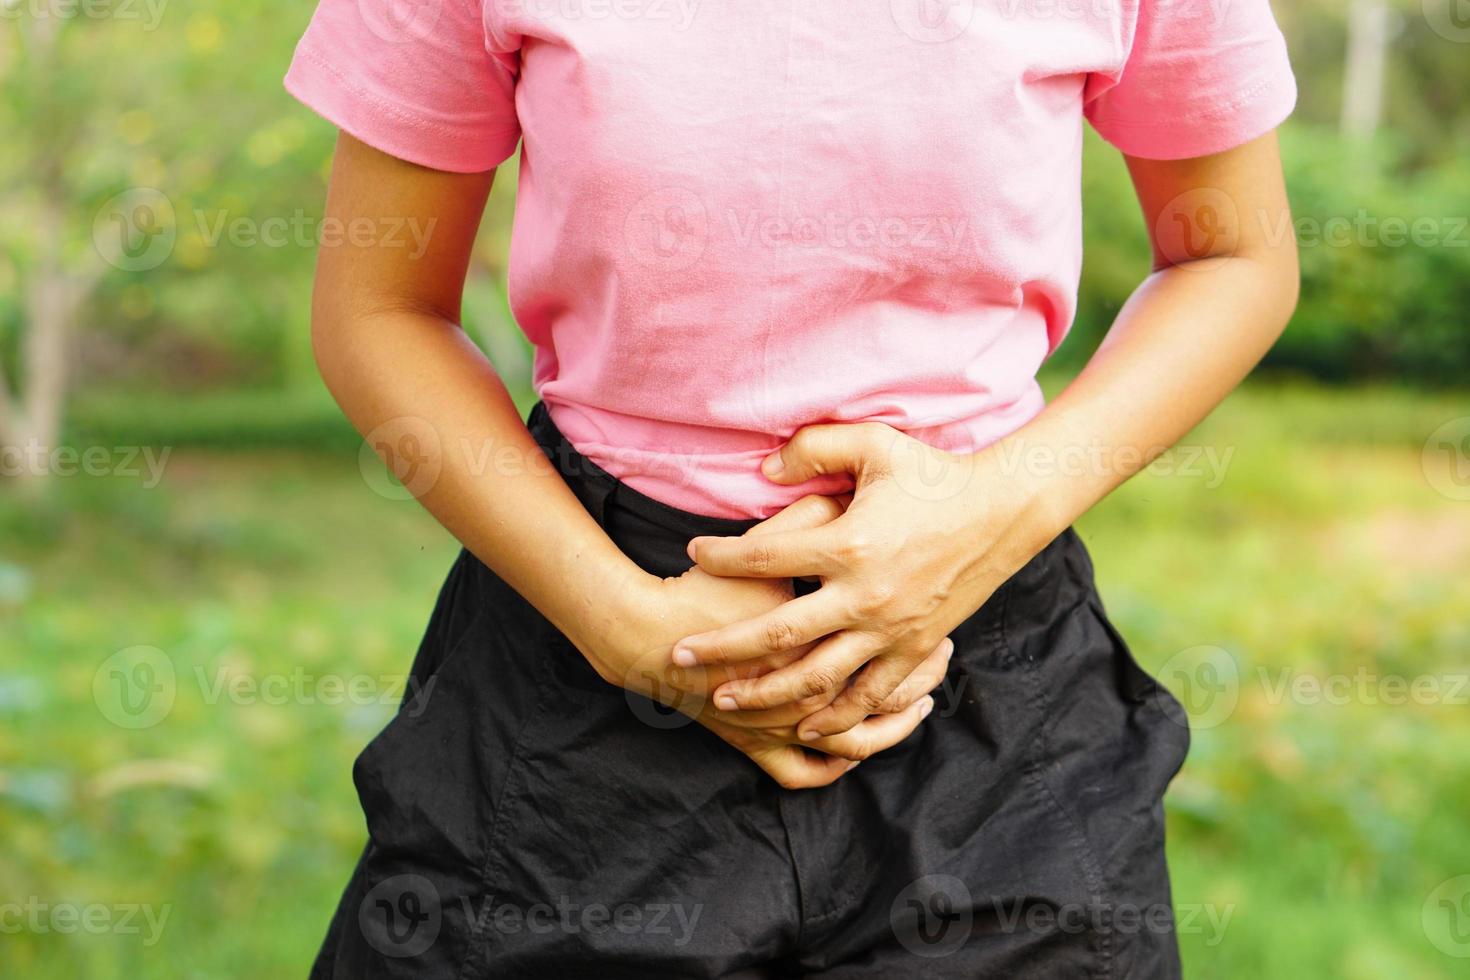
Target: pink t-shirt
x,y
737,219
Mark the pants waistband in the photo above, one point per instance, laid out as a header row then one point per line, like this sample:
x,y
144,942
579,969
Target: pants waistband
x,y
622,511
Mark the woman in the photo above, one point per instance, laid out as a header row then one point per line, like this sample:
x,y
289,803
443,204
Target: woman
x,y
789,269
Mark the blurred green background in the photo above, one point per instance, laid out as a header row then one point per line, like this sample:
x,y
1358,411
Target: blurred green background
x,y
202,518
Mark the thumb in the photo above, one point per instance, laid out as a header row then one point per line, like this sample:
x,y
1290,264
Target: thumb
x,y
818,450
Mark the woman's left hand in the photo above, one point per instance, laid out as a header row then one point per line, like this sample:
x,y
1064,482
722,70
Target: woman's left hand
x,y
928,536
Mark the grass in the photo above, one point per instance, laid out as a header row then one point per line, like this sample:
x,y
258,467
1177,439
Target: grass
x,y
1321,825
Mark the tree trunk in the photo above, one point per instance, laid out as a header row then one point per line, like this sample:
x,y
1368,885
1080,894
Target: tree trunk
x,y
1363,71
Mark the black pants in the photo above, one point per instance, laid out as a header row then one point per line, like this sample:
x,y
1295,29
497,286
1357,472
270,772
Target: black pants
x,y
527,819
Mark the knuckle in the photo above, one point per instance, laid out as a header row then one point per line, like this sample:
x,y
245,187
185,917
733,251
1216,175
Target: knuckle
x,y
779,635
868,700
856,549
815,682
758,558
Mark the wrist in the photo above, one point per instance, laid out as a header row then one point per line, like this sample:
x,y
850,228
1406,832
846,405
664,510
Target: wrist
x,y
1023,507
609,604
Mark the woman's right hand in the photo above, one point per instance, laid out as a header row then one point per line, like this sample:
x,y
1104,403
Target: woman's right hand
x,y
636,657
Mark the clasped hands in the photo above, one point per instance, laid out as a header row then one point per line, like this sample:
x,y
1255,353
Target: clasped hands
x,y
808,686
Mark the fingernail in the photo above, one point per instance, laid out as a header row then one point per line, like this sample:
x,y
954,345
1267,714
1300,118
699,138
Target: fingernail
x,y
690,551
684,657
809,735
773,465
925,707
726,703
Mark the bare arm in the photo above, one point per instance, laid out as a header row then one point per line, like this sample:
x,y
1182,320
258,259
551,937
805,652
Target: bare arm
x,y
385,330
1224,285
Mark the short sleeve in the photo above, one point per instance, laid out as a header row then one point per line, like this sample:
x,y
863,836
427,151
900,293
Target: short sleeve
x,y
415,80
1200,77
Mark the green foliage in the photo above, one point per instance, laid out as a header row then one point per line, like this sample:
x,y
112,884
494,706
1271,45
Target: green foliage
x,y
1321,827
1385,252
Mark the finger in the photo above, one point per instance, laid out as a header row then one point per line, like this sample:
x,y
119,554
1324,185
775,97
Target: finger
x,y
798,621
818,450
795,768
825,669
783,716
863,697
880,732
810,511
770,554
925,678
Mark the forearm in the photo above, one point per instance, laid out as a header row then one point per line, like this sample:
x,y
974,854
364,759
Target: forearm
x,y
428,392
1184,340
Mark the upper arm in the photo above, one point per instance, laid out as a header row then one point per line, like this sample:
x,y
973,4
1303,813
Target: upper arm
x,y
1226,204
395,236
